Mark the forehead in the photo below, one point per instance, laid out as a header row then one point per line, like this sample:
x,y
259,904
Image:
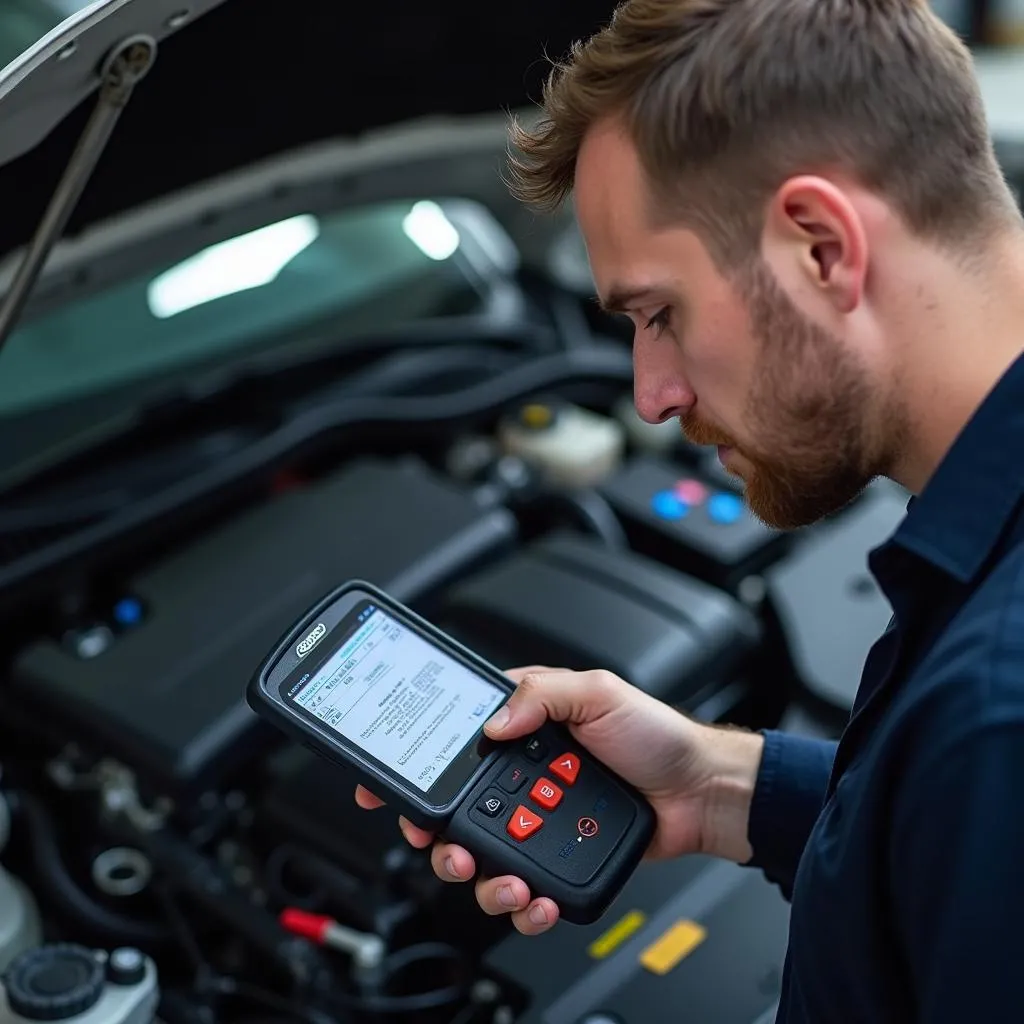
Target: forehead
x,y
627,251
609,190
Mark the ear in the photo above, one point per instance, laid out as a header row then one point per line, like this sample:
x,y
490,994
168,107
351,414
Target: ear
x,y
812,227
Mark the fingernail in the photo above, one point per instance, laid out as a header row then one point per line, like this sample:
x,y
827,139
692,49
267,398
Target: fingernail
x,y
506,897
538,915
449,866
500,719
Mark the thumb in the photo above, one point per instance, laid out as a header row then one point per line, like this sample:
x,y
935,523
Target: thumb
x,y
556,694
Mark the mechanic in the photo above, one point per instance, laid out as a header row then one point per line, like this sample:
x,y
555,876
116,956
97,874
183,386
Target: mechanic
x,y
797,205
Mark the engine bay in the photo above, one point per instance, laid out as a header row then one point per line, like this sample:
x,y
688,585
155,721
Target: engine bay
x,y
227,874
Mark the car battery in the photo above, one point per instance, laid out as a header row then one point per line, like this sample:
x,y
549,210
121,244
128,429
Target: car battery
x,y
682,518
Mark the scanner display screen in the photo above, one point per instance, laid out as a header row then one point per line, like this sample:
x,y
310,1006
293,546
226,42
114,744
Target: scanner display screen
x,y
404,702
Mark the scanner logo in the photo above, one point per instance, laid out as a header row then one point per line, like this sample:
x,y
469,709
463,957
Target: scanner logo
x,y
316,634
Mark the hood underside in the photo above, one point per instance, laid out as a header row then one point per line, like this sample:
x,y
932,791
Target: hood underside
x,y
236,82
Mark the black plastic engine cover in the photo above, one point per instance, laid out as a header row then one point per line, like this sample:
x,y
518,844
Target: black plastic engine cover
x,y
830,608
688,939
167,696
570,601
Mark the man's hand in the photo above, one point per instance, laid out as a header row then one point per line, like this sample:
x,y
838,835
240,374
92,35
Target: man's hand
x,y
699,779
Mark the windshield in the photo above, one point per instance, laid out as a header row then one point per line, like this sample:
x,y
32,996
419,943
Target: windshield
x,y
357,270
24,22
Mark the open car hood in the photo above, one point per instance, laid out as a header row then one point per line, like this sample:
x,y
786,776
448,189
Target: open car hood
x,y
239,83
53,53
237,166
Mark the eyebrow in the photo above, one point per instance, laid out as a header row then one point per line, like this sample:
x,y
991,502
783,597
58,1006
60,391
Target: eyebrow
x,y
619,299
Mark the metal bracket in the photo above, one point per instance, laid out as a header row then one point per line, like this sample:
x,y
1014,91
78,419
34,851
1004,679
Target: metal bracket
x,y
125,66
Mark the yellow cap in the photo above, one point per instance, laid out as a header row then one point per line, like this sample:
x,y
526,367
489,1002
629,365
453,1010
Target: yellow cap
x,y
536,415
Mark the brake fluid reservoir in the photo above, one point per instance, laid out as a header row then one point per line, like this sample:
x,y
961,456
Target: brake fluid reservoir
x,y
571,446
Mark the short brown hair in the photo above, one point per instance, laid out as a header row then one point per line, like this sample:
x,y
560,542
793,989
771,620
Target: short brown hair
x,y
725,99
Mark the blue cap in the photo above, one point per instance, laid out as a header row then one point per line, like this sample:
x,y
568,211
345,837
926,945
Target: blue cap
x,y
667,505
128,612
725,508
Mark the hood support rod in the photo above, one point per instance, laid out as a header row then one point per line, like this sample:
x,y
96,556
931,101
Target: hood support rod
x,y
122,70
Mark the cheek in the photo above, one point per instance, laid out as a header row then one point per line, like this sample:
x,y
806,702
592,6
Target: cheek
x,y
720,358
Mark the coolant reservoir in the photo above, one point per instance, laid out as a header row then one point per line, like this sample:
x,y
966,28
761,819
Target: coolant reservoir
x,y
571,446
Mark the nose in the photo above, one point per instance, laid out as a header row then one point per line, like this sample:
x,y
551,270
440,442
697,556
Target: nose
x,y
661,390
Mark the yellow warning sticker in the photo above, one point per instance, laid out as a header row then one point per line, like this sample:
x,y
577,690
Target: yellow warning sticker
x,y
616,935
675,945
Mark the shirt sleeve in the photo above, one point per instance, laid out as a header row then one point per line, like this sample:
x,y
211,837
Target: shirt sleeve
x,y
788,797
958,847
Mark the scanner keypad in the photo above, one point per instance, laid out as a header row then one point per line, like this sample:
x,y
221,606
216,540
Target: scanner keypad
x,y
513,779
566,814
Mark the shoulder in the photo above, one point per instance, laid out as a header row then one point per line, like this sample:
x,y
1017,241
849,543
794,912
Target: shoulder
x,y
983,643
971,680
998,600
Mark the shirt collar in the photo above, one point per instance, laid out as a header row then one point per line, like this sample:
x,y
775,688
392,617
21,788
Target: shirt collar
x,y
957,520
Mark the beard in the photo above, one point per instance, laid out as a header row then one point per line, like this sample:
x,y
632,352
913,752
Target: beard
x,y
809,416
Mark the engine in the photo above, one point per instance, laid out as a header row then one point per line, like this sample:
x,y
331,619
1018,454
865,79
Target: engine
x,y
166,856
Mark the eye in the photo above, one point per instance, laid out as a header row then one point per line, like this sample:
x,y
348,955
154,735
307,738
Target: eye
x,y
659,321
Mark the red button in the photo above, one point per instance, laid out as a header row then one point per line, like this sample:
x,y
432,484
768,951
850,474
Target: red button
x,y
523,823
546,794
566,767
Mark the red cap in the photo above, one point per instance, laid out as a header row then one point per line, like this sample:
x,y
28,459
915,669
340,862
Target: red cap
x,y
309,926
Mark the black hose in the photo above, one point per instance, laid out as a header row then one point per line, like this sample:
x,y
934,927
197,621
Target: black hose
x,y
64,890
600,364
407,372
422,952
479,331
294,1010
570,321
594,514
400,373
316,425
419,1002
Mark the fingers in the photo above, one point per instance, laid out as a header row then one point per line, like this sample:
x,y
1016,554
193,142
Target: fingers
x,y
558,694
538,917
367,800
517,674
504,895
452,863
510,895
414,835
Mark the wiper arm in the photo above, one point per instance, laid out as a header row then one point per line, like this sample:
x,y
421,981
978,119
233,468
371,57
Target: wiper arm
x,y
123,69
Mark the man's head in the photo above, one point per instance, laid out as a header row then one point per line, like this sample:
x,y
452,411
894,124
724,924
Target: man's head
x,y
751,177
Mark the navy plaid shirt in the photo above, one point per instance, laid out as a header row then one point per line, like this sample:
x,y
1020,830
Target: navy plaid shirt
x,y
902,846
